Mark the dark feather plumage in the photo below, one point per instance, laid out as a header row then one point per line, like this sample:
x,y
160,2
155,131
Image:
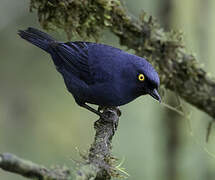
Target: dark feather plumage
x,y
97,73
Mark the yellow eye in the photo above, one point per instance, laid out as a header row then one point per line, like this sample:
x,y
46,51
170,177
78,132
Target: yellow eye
x,y
141,77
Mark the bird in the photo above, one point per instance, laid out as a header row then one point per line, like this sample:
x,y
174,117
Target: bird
x,y
96,73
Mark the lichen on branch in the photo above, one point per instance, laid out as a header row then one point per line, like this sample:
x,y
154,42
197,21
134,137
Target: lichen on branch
x,y
84,17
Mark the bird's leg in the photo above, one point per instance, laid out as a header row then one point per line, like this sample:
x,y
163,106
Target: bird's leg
x,y
93,110
101,108
106,113
119,113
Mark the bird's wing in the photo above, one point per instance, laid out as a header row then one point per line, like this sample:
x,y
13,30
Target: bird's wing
x,y
92,62
75,56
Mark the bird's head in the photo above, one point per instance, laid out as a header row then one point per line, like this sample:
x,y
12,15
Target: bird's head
x,y
146,78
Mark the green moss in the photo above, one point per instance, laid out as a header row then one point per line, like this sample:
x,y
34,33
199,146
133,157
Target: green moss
x,y
85,18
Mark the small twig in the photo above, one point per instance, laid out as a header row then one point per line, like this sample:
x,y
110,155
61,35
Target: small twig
x,y
14,164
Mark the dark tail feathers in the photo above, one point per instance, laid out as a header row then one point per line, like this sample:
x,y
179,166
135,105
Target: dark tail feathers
x,y
36,37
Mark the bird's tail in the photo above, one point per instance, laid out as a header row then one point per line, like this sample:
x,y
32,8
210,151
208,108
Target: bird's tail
x,y
36,37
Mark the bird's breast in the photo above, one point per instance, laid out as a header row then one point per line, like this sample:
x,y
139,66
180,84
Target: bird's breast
x,y
105,94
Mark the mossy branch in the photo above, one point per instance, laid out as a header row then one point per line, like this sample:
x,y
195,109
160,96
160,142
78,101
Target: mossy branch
x,y
99,164
179,71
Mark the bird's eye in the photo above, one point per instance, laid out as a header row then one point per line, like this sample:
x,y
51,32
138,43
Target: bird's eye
x,y
141,77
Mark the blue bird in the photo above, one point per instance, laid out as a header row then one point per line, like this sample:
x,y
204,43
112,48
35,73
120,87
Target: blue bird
x,y
96,73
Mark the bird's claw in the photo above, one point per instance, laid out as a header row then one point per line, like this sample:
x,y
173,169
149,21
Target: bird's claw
x,y
101,109
104,116
119,113
111,116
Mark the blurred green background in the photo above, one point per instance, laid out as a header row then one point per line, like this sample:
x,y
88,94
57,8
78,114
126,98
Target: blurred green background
x,y
40,121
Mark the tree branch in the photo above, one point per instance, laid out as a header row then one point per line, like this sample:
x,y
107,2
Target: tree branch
x,y
14,164
179,71
98,165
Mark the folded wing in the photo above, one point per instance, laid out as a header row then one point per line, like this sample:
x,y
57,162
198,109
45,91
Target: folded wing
x,y
75,59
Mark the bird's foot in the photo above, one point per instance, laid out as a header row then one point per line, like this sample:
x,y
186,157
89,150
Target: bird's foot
x,y
107,114
103,108
119,113
111,115
104,117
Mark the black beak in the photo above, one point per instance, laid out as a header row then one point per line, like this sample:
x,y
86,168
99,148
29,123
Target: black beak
x,y
155,95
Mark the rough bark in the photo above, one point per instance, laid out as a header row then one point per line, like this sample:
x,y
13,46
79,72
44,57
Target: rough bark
x,y
100,162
